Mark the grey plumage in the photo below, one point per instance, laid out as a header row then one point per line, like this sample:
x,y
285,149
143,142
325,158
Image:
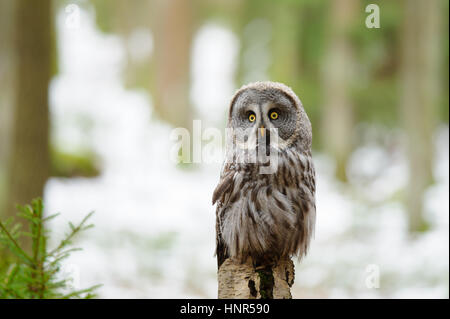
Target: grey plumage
x,y
266,216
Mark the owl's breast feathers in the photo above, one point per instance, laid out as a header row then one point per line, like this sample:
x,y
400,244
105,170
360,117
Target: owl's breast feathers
x,y
266,215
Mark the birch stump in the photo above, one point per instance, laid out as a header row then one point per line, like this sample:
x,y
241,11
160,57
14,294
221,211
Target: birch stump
x,y
247,281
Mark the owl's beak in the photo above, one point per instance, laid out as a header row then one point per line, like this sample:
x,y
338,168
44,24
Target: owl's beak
x,y
262,130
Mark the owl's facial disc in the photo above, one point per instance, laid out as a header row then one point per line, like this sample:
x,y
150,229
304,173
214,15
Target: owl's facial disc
x,y
260,111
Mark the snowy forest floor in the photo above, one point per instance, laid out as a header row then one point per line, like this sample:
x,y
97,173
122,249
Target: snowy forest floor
x,y
154,223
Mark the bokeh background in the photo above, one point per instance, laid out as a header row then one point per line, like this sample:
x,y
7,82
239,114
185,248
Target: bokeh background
x,y
91,90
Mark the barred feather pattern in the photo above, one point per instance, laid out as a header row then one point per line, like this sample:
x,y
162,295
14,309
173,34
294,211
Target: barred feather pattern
x,y
266,216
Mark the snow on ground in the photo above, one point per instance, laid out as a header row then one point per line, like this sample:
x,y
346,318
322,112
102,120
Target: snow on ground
x,y
154,223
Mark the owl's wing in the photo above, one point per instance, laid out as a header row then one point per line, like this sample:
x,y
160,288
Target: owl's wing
x,y
221,250
223,189
303,198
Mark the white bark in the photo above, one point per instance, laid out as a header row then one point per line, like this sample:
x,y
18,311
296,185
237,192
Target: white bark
x,y
244,281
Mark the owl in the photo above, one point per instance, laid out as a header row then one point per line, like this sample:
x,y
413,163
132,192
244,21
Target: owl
x,y
266,194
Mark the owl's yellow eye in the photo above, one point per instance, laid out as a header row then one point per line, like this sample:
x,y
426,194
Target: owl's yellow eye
x,y
274,115
252,117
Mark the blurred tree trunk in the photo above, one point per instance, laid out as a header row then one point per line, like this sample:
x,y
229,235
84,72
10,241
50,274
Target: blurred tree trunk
x,y
29,149
128,19
6,88
285,45
337,125
420,83
6,99
172,28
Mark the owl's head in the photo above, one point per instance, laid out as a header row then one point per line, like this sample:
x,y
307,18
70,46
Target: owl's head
x,y
259,108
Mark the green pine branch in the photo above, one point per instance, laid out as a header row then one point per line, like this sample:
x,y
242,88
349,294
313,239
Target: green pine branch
x,y
36,275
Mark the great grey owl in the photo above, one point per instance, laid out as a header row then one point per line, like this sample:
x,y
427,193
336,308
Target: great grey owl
x,y
265,214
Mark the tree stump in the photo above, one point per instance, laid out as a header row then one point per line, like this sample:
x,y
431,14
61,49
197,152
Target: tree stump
x,y
246,281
